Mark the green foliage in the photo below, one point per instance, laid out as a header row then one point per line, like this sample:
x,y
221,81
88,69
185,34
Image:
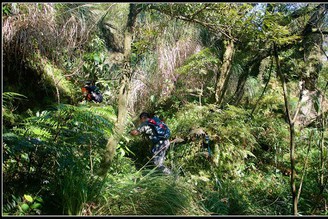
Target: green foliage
x,y
95,66
218,18
276,32
275,26
26,205
311,155
270,128
232,139
200,63
148,32
66,120
256,194
323,78
6,8
252,88
145,195
236,140
50,156
214,203
75,186
50,150
9,102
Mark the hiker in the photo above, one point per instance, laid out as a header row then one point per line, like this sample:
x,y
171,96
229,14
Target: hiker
x,y
160,142
91,93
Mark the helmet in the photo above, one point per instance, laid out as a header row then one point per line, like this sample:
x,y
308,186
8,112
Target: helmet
x,y
144,114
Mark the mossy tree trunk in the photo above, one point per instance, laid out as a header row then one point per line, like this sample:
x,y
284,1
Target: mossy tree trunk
x,y
313,40
312,44
224,73
134,10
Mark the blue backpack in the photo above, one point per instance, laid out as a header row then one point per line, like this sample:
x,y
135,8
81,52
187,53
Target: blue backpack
x,y
161,129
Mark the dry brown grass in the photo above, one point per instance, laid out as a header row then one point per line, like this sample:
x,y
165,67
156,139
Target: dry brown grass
x,y
39,28
29,30
173,47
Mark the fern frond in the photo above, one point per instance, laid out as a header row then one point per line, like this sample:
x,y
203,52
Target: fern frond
x,y
69,122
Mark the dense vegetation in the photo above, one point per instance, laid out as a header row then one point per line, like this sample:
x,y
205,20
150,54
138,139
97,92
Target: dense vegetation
x,y
251,76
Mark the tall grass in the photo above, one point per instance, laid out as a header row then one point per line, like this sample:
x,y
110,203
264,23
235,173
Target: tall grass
x,y
73,193
151,194
78,191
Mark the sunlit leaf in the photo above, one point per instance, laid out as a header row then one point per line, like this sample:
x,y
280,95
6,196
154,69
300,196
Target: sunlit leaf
x,y
28,198
25,207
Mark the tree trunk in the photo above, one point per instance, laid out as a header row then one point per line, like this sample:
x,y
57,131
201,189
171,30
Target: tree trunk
x,y
312,51
240,87
291,133
123,92
312,43
264,89
223,77
251,69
